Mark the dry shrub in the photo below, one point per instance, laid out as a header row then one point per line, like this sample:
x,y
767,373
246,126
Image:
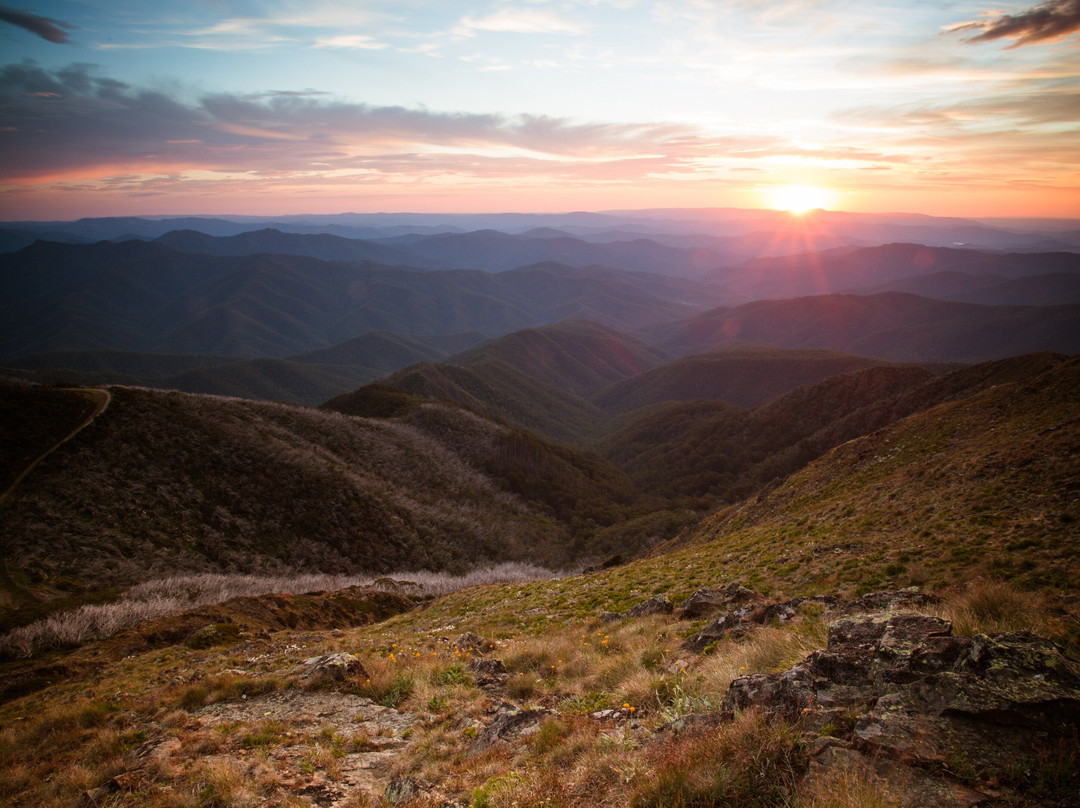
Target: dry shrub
x,y
993,607
752,761
767,649
852,786
159,598
216,784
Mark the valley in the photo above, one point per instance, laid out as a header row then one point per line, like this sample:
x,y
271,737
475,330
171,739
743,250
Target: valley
x,y
540,510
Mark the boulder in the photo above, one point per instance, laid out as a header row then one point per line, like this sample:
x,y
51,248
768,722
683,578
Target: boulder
x,y
736,623
706,602
510,725
473,644
910,599
900,690
660,604
488,673
331,668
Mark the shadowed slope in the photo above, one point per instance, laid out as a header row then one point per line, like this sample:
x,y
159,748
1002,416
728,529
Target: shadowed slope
x,y
891,325
742,376
985,485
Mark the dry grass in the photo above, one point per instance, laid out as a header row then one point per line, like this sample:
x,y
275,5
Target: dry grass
x,y
166,596
995,607
847,787
61,742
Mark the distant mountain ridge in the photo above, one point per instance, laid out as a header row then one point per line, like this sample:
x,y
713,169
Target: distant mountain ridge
x,y
144,297
890,325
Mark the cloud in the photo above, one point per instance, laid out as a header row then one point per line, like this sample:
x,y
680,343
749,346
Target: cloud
x,y
48,29
519,21
1047,21
349,42
78,122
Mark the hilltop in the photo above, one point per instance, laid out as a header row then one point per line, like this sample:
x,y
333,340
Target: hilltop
x,y
169,482
593,689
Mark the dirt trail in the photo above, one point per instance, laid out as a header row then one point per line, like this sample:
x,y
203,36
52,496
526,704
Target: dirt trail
x,y
101,398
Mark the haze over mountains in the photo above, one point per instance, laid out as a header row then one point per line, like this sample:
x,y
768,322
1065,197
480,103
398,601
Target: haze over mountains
x,y
304,308
689,357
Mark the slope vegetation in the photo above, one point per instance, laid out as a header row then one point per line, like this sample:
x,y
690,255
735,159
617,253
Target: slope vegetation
x,y
982,486
724,452
165,482
742,376
890,325
576,356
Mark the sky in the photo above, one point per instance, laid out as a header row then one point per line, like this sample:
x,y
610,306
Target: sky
x,y
129,107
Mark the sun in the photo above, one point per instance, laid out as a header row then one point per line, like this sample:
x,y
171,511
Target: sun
x,y
798,199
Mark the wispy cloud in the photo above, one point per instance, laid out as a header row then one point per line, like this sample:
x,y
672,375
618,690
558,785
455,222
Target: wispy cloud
x,y
76,120
349,42
44,27
519,21
1044,22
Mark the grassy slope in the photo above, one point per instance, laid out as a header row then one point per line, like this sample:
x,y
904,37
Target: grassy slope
x,y
890,325
167,481
991,476
744,377
708,448
576,356
984,486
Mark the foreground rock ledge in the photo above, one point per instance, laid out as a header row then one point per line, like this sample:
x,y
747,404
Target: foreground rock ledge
x,y
939,720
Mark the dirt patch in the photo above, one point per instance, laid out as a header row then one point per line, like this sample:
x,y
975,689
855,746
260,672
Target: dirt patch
x,y
326,745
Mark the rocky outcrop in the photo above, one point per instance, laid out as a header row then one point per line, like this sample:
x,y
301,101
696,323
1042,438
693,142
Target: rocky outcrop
x,y
488,674
900,695
659,604
707,602
473,644
508,727
329,668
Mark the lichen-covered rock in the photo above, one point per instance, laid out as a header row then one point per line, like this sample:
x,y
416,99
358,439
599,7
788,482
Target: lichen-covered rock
x,y
737,621
488,673
610,617
403,789
331,668
901,688
473,644
907,599
706,602
660,604
509,726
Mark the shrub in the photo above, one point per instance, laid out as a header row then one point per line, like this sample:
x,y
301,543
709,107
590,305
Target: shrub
x,y
750,763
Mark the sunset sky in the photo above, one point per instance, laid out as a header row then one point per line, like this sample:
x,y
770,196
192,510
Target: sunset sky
x,y
116,107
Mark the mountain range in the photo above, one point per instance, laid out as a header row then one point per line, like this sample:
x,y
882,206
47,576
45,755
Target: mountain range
x,y
837,485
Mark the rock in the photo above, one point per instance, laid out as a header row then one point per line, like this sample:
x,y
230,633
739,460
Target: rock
x,y
331,668
508,726
909,599
660,604
403,789
488,673
473,644
94,797
905,693
707,602
610,617
737,622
